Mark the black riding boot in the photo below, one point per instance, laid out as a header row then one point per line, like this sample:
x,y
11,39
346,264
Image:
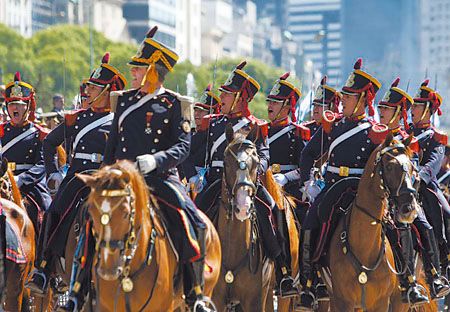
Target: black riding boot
x,y
409,289
198,268
285,283
438,284
38,282
307,297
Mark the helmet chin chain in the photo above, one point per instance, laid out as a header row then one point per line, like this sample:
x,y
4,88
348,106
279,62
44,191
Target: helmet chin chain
x,y
425,111
236,98
397,111
358,104
24,116
279,112
90,104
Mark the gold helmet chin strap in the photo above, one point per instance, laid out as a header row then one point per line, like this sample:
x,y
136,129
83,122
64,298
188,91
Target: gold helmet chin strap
x,y
358,104
236,98
279,112
425,111
98,96
397,111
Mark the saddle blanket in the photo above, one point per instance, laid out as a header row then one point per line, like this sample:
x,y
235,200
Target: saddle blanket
x,y
14,248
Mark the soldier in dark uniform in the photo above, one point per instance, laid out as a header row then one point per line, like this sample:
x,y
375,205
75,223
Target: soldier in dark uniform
x,y
392,109
325,98
161,120
88,130
21,143
345,159
236,93
207,104
432,147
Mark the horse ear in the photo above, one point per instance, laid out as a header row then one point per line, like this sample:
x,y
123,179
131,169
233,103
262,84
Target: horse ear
x,y
87,179
408,140
253,134
388,139
229,133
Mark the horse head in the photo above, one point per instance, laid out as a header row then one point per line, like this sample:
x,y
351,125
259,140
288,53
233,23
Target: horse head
x,y
240,171
117,199
399,177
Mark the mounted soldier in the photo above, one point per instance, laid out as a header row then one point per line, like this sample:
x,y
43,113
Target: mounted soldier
x,y
160,120
236,94
88,130
208,104
432,149
348,144
21,143
392,110
326,98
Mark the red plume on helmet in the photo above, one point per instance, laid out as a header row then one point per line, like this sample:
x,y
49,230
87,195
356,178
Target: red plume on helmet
x,y
425,83
105,58
17,76
151,32
324,80
358,64
395,82
241,65
285,76
208,88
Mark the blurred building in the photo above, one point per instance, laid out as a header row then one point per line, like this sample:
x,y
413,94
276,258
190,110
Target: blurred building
x,y
435,36
17,15
386,37
316,26
239,41
142,15
50,12
216,23
188,31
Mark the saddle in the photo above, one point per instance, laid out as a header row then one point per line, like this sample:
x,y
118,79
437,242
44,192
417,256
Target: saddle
x,y
336,201
14,248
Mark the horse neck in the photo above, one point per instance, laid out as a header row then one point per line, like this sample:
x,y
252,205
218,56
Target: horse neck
x,y
234,234
365,235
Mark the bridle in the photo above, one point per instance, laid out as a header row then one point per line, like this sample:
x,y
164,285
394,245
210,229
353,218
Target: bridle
x,y
243,177
128,245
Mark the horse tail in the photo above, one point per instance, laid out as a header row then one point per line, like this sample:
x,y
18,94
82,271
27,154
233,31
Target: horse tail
x,y
17,197
274,189
62,156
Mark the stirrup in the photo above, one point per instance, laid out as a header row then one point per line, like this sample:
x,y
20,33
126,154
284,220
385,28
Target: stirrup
x,y
422,290
206,303
31,285
315,304
291,281
63,308
443,281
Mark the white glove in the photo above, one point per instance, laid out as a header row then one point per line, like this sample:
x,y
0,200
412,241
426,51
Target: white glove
x,y
311,189
280,178
146,163
424,176
18,181
54,180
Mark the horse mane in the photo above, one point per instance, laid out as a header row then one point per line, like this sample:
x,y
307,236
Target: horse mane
x,y
276,191
17,197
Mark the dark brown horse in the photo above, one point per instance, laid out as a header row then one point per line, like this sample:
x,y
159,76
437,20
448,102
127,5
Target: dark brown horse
x,y
135,265
11,204
359,251
246,275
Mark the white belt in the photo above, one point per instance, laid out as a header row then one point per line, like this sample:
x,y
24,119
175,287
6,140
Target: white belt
x,y
345,171
13,166
94,157
217,163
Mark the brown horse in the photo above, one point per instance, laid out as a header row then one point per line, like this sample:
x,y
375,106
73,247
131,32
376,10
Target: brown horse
x,y
246,275
359,252
135,264
11,203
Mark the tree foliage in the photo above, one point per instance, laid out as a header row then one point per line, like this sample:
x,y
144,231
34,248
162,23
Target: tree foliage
x,y
56,59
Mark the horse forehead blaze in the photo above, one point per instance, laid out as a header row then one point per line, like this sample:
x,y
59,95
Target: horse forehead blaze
x,y
105,206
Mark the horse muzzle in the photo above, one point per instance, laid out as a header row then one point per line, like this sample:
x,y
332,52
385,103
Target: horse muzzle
x,y
243,202
407,210
109,274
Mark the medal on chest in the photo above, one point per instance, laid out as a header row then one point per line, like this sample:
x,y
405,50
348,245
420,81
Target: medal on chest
x,y
148,118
